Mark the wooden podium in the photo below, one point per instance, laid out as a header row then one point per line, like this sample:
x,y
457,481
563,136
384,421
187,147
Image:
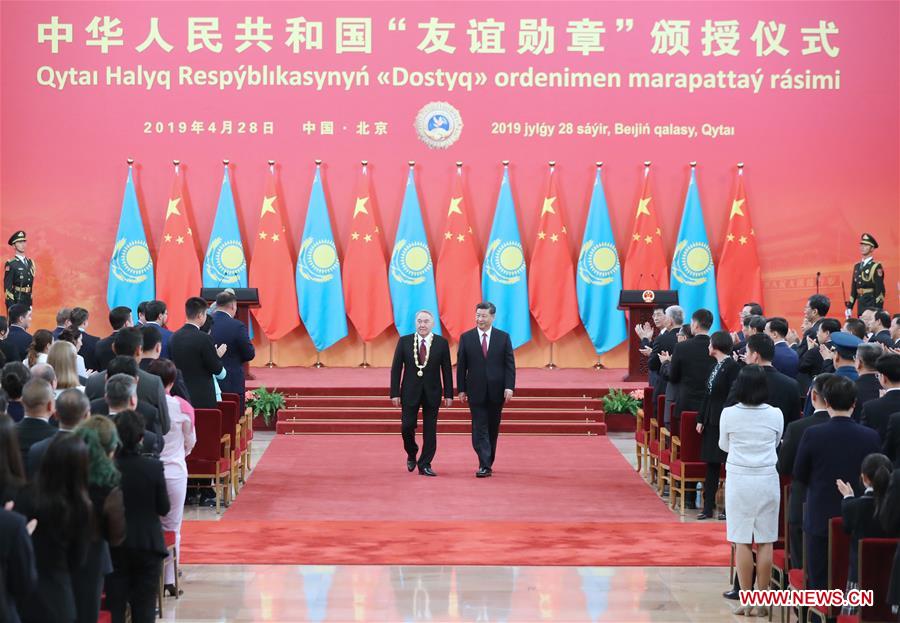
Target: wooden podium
x,y
247,299
640,305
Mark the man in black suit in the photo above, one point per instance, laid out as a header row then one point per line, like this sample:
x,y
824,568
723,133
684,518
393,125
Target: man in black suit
x,y
8,351
79,319
645,333
38,401
692,363
816,309
881,329
195,355
877,413
819,467
121,395
811,361
151,350
739,337
895,330
156,314
62,321
784,392
231,332
422,359
72,406
868,388
787,453
18,335
786,360
119,318
665,341
485,378
128,343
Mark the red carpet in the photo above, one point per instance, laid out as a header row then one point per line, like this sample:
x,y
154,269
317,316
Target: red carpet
x,y
349,500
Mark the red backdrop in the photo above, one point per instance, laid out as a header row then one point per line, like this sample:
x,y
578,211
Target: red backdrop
x,y
822,165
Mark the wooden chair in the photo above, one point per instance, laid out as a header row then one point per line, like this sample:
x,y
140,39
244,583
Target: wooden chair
x,y
642,431
244,436
232,425
876,557
211,456
838,567
686,465
653,441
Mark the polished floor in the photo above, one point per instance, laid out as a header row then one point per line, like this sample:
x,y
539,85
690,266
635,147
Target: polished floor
x,y
288,593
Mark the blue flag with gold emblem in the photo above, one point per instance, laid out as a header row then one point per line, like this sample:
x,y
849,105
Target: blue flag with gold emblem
x,y
504,281
693,274
600,277
130,267
411,270
224,265
320,293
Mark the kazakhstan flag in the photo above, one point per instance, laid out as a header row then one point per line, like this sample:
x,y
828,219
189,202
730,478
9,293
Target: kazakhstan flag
x,y
411,270
503,277
130,267
600,277
225,265
693,274
320,295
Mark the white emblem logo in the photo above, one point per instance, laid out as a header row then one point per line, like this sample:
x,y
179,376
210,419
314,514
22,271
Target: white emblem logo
x,y
438,125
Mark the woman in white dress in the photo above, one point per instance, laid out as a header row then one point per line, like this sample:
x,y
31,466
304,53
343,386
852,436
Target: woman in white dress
x,y
179,442
750,432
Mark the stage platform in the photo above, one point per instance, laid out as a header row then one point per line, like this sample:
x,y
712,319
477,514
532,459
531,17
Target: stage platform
x,y
355,400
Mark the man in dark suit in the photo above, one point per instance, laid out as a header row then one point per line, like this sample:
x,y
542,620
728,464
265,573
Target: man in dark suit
x,y
79,320
62,322
156,314
231,332
692,363
665,341
37,399
128,343
895,330
18,336
784,392
867,386
195,355
819,467
811,361
485,378
881,329
121,395
8,351
119,318
877,413
151,350
645,333
72,406
739,337
816,309
787,453
786,360
422,361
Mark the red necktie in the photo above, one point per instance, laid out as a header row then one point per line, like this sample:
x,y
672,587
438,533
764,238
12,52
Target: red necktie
x,y
484,345
422,352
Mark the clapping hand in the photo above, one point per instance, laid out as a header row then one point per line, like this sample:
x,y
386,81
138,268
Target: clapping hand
x,y
30,526
826,352
665,357
645,351
810,343
845,489
220,350
507,395
792,337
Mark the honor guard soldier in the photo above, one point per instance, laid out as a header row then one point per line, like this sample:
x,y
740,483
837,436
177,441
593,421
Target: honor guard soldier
x,y
868,278
18,277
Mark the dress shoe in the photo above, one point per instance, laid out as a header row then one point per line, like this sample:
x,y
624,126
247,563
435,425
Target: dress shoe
x,y
483,472
732,594
703,515
426,471
410,465
721,517
172,592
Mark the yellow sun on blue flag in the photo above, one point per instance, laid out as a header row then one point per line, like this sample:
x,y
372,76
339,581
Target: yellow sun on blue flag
x,y
131,266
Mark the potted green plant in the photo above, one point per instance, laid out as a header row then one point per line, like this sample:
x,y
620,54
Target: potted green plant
x,y
265,403
620,407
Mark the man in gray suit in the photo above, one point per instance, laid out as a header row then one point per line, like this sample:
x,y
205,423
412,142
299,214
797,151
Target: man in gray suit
x,y
128,343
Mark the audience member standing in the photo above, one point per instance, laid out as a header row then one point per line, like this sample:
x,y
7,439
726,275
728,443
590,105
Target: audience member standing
x,y
867,386
231,332
13,378
195,355
156,314
818,466
72,407
79,321
18,336
12,471
718,386
783,391
119,318
40,346
137,562
877,413
749,432
19,573
37,398
179,442
785,359
860,514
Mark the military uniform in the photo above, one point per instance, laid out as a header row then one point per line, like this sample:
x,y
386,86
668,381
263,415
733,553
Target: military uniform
x,y
18,276
867,287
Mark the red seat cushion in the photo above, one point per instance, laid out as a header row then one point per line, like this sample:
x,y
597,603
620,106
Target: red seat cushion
x,y
691,470
778,558
848,618
796,579
202,466
665,457
654,447
105,617
169,537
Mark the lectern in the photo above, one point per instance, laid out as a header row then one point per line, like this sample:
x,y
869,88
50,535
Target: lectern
x,y
640,305
247,299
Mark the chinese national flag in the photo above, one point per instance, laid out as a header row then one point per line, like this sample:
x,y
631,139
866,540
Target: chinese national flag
x,y
178,264
272,269
366,294
739,276
458,269
551,283
645,263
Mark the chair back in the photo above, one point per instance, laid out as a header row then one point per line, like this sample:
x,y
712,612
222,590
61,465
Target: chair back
x,y
228,396
689,437
648,407
838,554
231,417
209,430
876,557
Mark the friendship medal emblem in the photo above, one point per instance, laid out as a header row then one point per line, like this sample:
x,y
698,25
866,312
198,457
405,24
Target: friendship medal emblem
x,y
438,125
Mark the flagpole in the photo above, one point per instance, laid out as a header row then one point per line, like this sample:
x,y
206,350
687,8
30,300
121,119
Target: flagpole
x,y
318,363
599,365
270,363
364,364
550,365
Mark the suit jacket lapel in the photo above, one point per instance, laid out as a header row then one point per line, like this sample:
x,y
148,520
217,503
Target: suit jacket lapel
x,y
492,343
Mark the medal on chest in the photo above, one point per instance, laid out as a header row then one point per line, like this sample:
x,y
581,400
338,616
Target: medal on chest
x,y
421,364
